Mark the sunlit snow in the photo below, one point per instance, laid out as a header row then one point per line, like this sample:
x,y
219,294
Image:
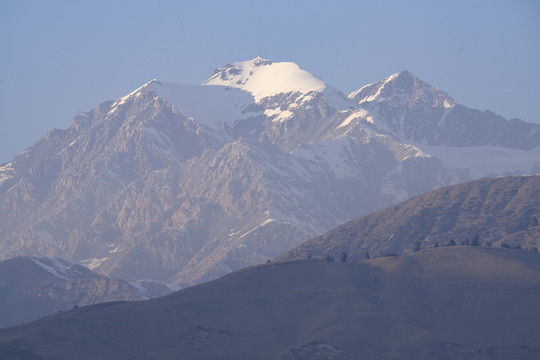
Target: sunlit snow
x,y
228,104
264,78
6,172
376,95
57,266
93,262
361,113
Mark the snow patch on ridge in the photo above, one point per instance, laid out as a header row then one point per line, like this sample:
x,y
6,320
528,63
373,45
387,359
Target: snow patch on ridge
x,y
135,93
60,267
7,172
228,104
264,223
137,285
376,95
279,115
123,99
93,262
361,113
115,250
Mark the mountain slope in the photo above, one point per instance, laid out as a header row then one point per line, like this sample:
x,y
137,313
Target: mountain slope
x,y
186,183
502,210
480,143
418,112
32,287
445,303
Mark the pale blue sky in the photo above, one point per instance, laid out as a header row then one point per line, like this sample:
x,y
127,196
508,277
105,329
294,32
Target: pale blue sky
x,y
60,58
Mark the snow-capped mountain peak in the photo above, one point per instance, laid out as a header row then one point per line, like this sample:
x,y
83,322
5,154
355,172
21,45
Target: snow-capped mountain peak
x,y
245,90
264,78
181,182
403,88
135,93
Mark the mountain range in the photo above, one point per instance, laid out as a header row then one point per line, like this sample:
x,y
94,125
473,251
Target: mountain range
x,y
185,183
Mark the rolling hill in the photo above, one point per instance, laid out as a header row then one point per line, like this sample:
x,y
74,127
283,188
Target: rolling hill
x,y
500,211
444,303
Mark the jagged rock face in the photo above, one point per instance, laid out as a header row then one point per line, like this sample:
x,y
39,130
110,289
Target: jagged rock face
x,y
423,114
55,200
185,183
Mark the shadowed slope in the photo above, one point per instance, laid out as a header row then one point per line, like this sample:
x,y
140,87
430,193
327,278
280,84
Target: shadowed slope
x,y
30,289
445,303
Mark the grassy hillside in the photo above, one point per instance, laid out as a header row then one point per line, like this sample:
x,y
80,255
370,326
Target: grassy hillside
x,y
443,303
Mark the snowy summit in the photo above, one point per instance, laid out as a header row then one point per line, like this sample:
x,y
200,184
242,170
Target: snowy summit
x,y
263,78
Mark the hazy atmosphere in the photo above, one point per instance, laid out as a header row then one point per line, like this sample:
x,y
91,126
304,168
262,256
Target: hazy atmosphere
x,y
61,58
269,180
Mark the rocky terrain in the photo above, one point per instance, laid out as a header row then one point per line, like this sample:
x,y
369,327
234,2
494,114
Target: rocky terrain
x,y
185,183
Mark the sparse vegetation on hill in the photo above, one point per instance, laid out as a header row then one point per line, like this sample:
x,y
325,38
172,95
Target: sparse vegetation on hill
x,y
443,303
486,212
